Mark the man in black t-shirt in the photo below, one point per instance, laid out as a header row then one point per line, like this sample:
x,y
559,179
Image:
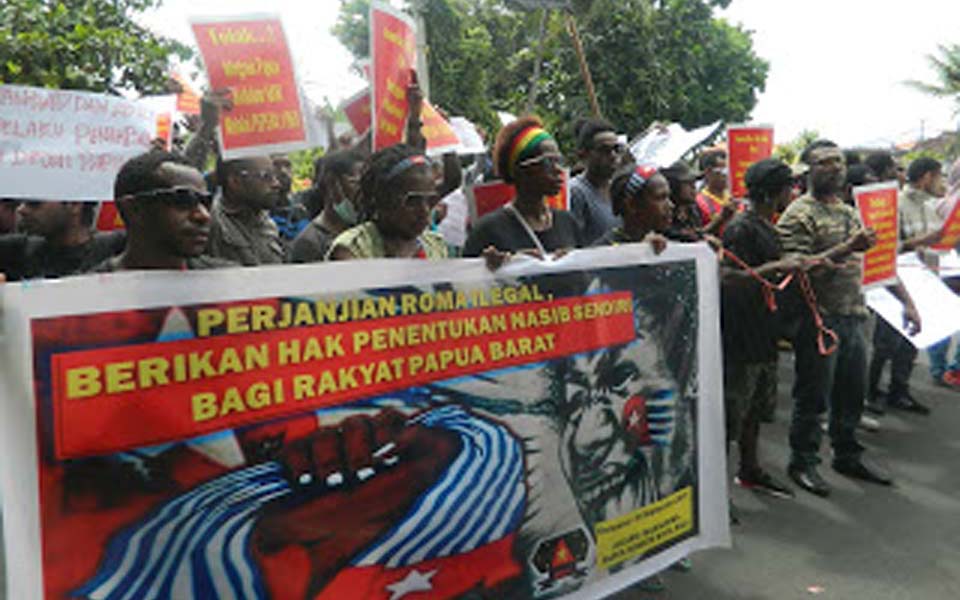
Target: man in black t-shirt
x,y
748,325
57,240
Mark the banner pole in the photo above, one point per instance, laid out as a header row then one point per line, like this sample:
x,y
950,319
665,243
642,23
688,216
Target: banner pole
x,y
584,67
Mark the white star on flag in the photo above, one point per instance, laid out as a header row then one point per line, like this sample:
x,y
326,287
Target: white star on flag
x,y
412,583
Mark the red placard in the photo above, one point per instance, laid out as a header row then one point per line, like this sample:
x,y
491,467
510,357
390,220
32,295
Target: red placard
x,y
393,48
108,218
250,57
877,205
207,384
357,110
439,134
746,145
950,233
488,197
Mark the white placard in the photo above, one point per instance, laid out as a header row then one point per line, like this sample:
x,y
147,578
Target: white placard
x,y
663,146
470,140
938,306
67,145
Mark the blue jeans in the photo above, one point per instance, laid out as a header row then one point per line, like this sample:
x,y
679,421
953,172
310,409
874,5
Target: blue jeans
x,y
938,358
837,381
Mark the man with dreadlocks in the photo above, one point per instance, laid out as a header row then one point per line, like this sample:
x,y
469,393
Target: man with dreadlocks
x,y
397,191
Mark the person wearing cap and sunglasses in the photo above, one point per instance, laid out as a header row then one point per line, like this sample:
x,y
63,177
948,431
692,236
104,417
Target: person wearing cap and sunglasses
x,y
164,204
241,229
397,193
528,157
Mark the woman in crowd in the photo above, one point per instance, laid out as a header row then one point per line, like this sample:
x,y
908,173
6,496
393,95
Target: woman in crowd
x,y
528,157
641,197
332,204
397,193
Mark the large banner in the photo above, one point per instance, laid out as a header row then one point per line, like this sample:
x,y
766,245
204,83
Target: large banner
x,y
746,144
249,56
65,145
554,429
877,207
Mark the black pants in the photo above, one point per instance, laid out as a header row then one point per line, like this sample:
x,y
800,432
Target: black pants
x,y
889,345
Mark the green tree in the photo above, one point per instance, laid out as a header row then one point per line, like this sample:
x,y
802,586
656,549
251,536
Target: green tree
x,y
650,60
946,67
84,44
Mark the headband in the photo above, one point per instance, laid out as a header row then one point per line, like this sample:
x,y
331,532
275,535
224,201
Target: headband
x,y
405,165
639,178
524,144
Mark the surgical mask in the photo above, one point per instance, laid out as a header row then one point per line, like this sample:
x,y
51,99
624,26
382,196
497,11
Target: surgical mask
x,y
345,210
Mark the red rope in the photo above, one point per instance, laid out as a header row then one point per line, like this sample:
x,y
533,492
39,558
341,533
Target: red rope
x,y
769,295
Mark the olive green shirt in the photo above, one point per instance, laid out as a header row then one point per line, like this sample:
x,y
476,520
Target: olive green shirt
x,y
244,237
810,227
365,241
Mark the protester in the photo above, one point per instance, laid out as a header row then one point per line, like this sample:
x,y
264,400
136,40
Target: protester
x,y
57,239
750,328
335,187
8,215
291,218
241,229
716,205
397,192
641,198
164,204
857,175
528,157
600,152
821,227
688,219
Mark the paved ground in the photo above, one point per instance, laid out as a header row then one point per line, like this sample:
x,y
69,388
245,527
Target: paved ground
x,y
863,541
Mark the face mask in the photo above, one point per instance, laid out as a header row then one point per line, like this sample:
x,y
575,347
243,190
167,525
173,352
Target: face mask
x,y
344,209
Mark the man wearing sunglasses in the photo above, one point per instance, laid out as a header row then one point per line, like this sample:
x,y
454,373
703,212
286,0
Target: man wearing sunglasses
x,y
241,229
165,205
601,153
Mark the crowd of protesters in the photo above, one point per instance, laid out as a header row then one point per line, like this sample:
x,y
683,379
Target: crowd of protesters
x,y
797,223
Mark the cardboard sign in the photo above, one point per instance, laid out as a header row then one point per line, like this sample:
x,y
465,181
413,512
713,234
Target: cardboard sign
x,y
746,144
333,432
878,210
393,48
488,197
950,233
249,55
357,109
188,100
65,145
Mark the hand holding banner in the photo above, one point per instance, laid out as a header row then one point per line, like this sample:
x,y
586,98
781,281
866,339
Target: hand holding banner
x,y
877,207
746,144
249,55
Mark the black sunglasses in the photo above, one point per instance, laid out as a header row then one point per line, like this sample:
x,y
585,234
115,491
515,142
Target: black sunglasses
x,y
183,198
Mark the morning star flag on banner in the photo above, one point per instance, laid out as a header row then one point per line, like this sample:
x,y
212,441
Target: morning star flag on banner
x,y
404,430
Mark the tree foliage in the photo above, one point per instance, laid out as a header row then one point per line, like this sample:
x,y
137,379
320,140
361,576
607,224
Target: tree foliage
x,y
650,60
946,67
83,44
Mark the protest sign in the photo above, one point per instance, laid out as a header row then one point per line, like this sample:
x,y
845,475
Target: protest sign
x,y
188,100
877,207
357,110
746,144
354,433
938,306
484,198
662,146
440,136
249,56
65,145
393,48
471,142
950,236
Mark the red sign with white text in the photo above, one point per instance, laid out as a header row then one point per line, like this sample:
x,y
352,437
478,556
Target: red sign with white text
x,y
393,48
250,57
357,110
877,205
745,146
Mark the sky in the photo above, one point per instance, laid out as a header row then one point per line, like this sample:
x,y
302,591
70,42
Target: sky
x,y
836,66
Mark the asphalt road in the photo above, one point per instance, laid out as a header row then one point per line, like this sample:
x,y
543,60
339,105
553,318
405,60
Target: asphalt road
x,y
864,541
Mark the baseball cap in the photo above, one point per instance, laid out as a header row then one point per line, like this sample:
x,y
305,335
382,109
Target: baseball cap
x,y
681,171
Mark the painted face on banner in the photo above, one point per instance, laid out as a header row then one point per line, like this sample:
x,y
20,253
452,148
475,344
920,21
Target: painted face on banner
x,y
621,405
